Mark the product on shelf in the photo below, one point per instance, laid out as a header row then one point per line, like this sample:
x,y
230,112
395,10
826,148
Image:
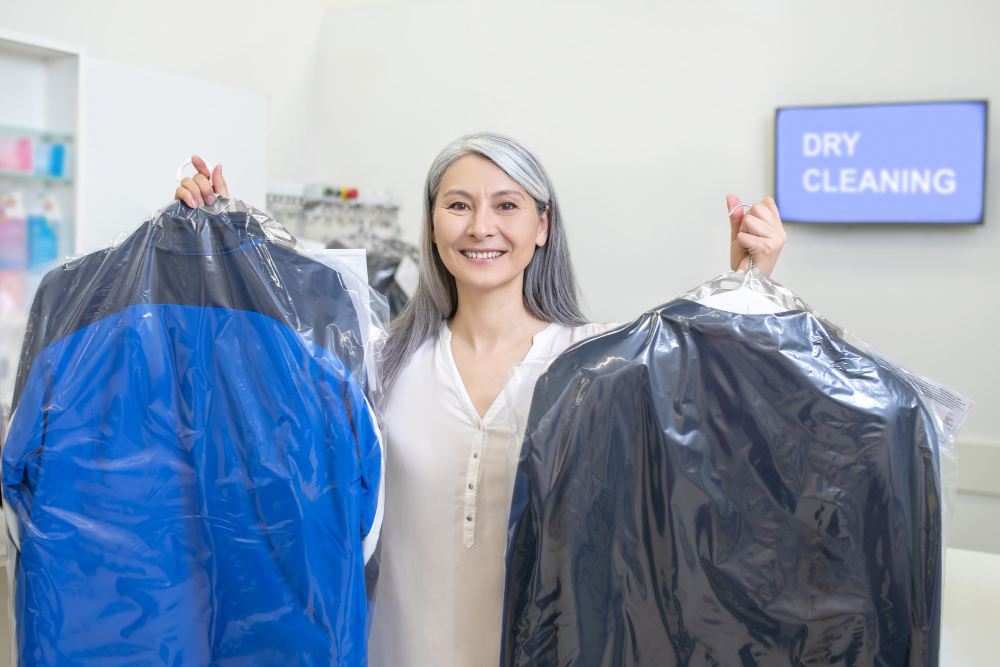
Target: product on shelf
x,y
43,234
13,242
41,156
15,154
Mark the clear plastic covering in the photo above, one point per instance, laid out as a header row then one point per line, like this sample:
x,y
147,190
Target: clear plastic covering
x,y
192,467
729,480
392,268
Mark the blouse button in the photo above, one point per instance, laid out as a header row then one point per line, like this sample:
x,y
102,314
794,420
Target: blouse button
x,y
475,455
470,486
468,518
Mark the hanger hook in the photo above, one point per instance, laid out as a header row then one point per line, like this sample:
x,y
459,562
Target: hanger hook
x,y
749,268
211,170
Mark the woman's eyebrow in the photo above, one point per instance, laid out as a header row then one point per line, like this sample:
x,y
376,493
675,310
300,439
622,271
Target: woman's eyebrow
x,y
498,193
507,193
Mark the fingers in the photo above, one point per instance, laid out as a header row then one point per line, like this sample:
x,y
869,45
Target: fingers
x,y
736,217
756,226
775,221
201,166
758,234
195,191
220,182
766,209
753,244
763,220
764,213
772,205
766,240
205,187
763,250
767,222
185,196
203,179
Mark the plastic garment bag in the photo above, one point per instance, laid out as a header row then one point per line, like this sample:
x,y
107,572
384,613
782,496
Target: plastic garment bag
x,y
192,471
385,257
383,279
704,487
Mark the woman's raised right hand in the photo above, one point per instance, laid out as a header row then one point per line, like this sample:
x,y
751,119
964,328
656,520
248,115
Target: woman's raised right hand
x,y
197,191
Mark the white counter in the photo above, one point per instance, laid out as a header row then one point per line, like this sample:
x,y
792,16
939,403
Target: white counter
x,y
970,632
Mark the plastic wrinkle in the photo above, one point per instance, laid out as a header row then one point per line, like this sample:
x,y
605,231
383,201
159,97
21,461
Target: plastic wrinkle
x,y
383,258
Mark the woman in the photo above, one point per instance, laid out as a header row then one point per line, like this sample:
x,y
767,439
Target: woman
x,y
496,288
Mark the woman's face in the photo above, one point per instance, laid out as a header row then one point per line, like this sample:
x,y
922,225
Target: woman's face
x,y
486,226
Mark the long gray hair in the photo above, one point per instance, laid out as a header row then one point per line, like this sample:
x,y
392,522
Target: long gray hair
x,y
550,291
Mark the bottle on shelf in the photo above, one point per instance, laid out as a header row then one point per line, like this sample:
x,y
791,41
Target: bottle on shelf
x,y
16,154
41,154
57,159
49,157
35,153
43,231
13,254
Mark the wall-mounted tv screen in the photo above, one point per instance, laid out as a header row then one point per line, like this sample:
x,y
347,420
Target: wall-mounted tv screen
x,y
882,163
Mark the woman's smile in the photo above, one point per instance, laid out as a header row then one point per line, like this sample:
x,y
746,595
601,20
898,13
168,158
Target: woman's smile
x,y
483,256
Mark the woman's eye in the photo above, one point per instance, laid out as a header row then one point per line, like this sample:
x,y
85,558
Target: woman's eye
x,y
459,206
508,206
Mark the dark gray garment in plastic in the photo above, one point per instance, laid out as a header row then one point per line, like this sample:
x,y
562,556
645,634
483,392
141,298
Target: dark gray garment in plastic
x,y
706,488
382,266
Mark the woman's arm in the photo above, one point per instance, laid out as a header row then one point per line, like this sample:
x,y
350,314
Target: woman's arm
x,y
758,234
197,191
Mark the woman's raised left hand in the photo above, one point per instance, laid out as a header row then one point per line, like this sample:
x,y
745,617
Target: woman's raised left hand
x,y
758,233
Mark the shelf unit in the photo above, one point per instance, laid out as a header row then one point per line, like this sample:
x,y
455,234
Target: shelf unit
x,y
35,132
40,88
25,176
40,84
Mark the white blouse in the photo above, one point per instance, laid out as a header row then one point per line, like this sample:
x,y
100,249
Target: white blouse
x,y
440,589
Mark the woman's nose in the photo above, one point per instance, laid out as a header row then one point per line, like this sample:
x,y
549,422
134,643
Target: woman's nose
x,y
481,224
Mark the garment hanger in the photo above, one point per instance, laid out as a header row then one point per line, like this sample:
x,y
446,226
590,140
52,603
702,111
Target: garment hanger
x,y
216,212
221,203
748,298
211,170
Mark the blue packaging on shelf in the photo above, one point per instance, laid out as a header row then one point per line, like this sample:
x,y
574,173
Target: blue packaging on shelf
x,y
57,160
43,241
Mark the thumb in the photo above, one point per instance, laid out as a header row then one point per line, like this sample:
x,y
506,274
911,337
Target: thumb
x,y
219,183
736,217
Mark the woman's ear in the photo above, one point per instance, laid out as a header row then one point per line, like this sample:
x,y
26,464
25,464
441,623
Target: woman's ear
x,y
543,227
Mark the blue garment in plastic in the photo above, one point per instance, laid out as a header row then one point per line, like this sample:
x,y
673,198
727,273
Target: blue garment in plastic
x,y
192,470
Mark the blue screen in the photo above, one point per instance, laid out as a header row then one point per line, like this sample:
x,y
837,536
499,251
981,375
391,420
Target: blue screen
x,y
881,163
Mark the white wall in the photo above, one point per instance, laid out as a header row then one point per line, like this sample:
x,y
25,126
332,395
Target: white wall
x,y
647,113
139,125
970,524
23,101
253,45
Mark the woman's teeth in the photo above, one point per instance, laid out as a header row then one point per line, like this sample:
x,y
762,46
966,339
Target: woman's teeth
x,y
481,255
